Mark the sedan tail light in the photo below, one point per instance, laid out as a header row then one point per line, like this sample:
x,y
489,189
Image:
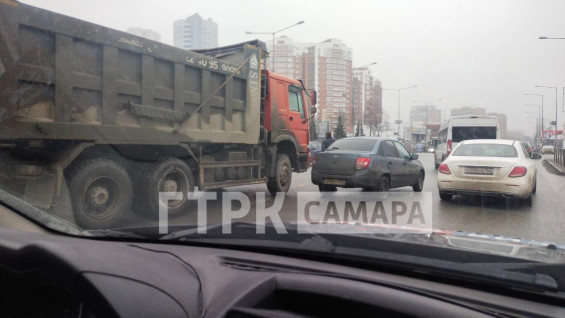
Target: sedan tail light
x,y
449,146
518,171
362,163
443,168
314,159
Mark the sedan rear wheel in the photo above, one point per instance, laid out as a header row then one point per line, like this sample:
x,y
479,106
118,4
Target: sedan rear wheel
x,y
419,185
384,184
326,188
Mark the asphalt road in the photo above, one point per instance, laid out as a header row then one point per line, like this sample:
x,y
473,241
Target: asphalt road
x,y
543,221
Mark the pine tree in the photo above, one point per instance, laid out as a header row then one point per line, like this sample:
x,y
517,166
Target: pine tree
x,y
339,130
313,129
358,129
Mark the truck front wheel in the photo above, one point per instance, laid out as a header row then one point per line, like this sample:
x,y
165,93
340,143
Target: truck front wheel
x,y
101,192
283,175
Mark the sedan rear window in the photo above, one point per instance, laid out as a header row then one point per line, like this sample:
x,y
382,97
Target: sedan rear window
x,y
486,150
354,144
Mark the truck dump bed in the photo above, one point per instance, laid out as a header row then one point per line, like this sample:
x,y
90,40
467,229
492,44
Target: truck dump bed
x,y
66,79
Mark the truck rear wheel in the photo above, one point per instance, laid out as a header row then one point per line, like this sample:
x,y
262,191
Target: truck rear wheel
x,y
283,175
101,192
171,175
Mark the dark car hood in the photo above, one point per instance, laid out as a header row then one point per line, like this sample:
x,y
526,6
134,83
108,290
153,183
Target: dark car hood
x,y
478,242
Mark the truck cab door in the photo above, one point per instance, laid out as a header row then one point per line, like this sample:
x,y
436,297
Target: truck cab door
x,y
297,116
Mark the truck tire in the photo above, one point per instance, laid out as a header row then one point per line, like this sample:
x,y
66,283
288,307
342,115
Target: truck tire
x,y
101,193
283,175
171,175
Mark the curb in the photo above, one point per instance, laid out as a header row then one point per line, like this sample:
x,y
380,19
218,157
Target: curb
x,y
560,169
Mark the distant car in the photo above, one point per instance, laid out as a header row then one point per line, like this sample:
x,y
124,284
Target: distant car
x,y
528,147
315,147
372,163
487,167
547,149
420,148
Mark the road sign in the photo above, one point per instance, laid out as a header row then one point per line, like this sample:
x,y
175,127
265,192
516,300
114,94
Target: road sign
x,y
548,134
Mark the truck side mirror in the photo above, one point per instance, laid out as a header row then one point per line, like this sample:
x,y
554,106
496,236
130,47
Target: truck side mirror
x,y
314,98
313,110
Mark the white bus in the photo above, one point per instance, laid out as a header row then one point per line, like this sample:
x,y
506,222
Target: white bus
x,y
459,128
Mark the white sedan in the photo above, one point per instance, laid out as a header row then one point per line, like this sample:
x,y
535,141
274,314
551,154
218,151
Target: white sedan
x,y
488,167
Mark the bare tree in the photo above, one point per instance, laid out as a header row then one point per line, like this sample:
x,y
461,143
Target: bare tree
x,y
378,121
381,124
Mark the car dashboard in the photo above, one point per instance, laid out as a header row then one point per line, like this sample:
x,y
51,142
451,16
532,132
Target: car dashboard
x,y
58,276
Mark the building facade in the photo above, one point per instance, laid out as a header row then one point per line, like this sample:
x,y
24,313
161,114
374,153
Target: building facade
x,y
327,68
468,111
194,32
425,114
366,100
145,33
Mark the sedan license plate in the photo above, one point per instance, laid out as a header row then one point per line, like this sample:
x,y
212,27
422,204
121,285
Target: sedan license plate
x,y
478,170
334,181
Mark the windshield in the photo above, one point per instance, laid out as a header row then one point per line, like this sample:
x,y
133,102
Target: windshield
x,y
486,150
361,145
183,120
467,133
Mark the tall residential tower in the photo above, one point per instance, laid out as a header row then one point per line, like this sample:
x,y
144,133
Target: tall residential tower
x,y
194,32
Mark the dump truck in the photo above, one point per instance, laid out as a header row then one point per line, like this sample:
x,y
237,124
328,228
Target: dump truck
x,y
108,120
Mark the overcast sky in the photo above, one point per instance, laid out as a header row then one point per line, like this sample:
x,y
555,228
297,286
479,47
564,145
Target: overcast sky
x,y
482,53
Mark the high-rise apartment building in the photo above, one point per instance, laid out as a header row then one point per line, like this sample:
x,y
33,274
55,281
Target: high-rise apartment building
x,y
418,114
145,33
367,92
194,32
289,57
333,81
327,68
468,111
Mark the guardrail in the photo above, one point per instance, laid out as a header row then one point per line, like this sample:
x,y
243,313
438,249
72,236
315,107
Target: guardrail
x,y
559,156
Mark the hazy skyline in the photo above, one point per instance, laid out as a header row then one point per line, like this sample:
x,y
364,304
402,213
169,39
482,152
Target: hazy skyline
x,y
467,53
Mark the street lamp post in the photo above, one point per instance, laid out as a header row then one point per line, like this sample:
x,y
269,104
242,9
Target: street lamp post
x,y
353,96
540,86
536,121
426,123
273,34
540,122
398,121
540,95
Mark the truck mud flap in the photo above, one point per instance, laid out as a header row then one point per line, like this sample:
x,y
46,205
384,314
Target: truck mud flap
x,y
40,192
